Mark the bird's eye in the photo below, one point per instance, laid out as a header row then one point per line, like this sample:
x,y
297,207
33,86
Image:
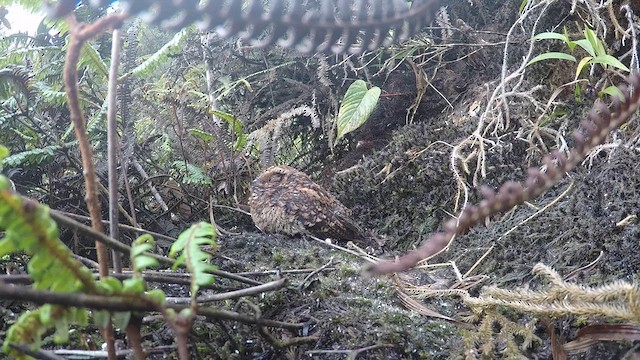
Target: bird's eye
x,y
276,178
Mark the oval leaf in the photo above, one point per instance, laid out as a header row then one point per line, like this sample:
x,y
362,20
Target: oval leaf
x,y
356,107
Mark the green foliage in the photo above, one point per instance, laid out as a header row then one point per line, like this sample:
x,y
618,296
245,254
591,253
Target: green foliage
x,y
590,43
34,156
28,228
229,85
356,107
187,252
612,91
33,5
171,48
190,174
4,152
32,325
90,58
236,126
139,260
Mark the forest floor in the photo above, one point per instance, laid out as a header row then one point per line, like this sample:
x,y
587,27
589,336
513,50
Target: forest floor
x,y
404,189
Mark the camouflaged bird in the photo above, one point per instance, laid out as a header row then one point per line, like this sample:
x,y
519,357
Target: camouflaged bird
x,y
285,200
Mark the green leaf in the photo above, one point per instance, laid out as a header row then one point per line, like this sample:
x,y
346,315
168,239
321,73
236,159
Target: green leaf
x,y
173,47
156,295
101,318
552,55
611,61
551,36
190,174
110,285
4,152
236,125
586,45
581,65
356,107
187,251
121,319
204,136
61,335
91,58
612,91
596,44
522,5
134,285
140,260
570,43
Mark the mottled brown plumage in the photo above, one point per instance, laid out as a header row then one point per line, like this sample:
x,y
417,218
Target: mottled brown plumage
x,y
285,200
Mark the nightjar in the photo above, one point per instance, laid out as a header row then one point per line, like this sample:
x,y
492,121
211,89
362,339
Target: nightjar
x,y
285,200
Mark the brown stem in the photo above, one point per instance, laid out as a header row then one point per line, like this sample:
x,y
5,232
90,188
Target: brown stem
x,y
79,34
133,335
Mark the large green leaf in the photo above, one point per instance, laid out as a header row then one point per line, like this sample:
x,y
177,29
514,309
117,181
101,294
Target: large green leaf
x,y
356,107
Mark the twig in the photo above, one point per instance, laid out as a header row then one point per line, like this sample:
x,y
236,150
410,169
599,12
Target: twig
x,y
273,285
104,239
129,303
121,226
351,354
113,146
314,273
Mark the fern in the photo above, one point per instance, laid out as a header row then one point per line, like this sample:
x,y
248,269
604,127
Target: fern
x,y
33,156
174,46
190,174
28,228
187,252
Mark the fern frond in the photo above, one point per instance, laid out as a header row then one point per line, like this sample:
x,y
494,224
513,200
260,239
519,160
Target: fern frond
x,y
187,251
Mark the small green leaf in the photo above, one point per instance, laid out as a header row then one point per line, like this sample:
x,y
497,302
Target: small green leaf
x,y
552,55
202,135
236,125
551,36
356,107
121,319
110,285
522,5
7,246
596,44
157,295
611,61
612,91
101,318
581,65
145,262
586,45
4,152
134,285
61,335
